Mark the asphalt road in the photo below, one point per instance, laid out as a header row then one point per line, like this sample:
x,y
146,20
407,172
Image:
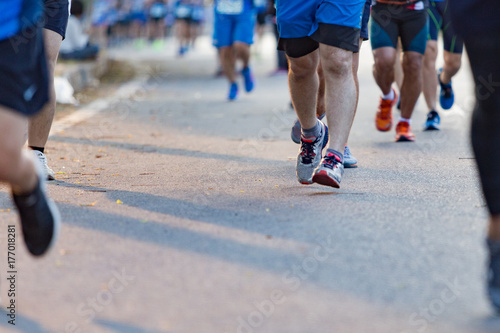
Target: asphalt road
x,y
182,214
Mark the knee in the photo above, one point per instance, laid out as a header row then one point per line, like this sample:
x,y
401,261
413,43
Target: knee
x,y
384,64
303,67
412,65
453,62
430,55
10,155
338,65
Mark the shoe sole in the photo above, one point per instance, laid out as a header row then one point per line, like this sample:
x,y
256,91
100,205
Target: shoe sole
x,y
322,178
404,138
350,166
52,207
431,128
385,129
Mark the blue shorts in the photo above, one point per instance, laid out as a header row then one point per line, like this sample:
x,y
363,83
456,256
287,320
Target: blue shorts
x,y
331,22
229,29
299,18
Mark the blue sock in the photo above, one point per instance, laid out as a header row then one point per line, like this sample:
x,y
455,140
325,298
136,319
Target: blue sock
x,y
336,153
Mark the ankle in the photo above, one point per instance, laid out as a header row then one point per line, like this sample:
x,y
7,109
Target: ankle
x,y
494,229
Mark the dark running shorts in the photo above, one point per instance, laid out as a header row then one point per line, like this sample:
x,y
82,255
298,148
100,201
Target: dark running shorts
x,y
440,19
366,18
392,21
56,16
334,35
23,72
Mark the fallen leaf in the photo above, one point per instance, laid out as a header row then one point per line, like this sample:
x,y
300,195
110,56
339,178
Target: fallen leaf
x,y
89,205
119,202
269,236
60,173
268,210
98,156
144,221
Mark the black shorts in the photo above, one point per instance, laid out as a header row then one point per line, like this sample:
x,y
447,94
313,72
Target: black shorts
x,y
366,18
440,20
23,72
56,16
390,22
334,35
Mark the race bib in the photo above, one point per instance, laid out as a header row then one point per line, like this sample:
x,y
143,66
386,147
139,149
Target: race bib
x,y
230,7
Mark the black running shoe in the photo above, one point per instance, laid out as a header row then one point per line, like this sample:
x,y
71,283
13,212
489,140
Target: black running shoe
x,y
40,219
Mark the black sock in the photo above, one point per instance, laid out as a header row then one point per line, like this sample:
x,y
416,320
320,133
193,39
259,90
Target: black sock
x,y
40,149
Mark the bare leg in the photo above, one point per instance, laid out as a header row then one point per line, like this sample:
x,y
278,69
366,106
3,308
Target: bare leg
x,y
452,63
303,82
340,93
412,82
15,166
228,61
242,53
430,81
494,230
383,69
320,107
39,125
398,68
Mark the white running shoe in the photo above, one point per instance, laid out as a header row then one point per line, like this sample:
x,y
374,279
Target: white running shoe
x,y
51,175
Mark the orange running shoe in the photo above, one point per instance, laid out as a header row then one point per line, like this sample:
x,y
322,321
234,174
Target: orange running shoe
x,y
383,119
403,132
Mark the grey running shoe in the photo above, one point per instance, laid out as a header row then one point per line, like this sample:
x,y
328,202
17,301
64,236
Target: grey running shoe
x,y
330,171
50,175
310,155
349,160
40,219
494,274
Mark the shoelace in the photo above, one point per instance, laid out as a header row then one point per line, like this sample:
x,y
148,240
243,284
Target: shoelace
x,y
307,151
385,109
330,161
447,92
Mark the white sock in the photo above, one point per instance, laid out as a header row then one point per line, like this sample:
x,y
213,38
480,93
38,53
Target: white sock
x,y
390,95
406,120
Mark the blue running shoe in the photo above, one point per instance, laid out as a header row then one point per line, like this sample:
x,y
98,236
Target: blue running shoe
x,y
249,81
349,160
233,91
494,274
447,96
433,121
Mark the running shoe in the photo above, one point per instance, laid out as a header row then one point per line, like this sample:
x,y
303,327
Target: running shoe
x,y
233,91
310,155
383,119
433,121
447,96
403,132
40,219
296,132
349,160
249,81
50,174
330,171
494,274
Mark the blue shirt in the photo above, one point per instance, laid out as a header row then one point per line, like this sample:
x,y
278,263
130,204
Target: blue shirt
x,y
10,12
